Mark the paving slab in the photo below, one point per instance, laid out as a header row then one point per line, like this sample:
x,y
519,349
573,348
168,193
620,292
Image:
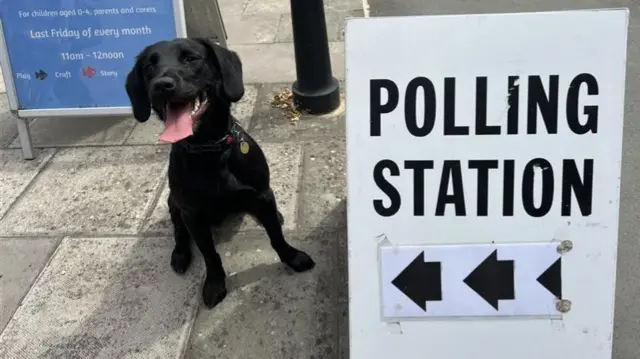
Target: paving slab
x,y
285,166
271,125
200,17
16,174
21,260
147,133
633,52
3,88
269,63
284,6
324,185
252,29
285,162
335,21
159,221
343,298
243,109
78,131
90,190
231,9
106,298
8,127
254,7
271,312
342,5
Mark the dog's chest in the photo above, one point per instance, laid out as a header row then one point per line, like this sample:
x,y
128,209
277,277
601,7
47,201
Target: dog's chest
x,y
207,185
205,188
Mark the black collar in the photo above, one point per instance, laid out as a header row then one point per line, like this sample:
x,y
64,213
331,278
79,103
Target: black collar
x,y
233,135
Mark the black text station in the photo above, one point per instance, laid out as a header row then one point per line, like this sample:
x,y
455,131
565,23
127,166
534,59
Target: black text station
x,y
542,104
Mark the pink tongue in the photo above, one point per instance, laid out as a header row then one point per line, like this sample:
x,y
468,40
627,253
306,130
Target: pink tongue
x,y
178,124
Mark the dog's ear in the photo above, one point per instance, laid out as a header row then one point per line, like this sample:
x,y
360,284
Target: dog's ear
x,y
137,92
230,66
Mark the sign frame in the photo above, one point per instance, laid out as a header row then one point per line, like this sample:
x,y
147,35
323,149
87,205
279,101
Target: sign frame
x,y
584,326
199,28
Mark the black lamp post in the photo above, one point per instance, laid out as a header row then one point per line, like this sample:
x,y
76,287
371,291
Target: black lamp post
x,y
315,91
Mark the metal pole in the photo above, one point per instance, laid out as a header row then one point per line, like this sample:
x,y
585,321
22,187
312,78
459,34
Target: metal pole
x,y
315,91
25,138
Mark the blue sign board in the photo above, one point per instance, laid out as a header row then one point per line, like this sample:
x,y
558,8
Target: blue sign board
x,y
77,53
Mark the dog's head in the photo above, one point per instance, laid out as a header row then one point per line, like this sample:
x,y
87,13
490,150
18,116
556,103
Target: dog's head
x,y
180,79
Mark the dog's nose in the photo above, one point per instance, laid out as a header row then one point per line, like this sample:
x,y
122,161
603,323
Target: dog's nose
x,y
164,84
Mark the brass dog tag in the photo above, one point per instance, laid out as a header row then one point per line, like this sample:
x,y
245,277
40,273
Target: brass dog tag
x,y
244,147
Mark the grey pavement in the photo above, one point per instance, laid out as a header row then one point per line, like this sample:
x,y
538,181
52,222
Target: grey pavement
x,y
86,239
85,236
261,30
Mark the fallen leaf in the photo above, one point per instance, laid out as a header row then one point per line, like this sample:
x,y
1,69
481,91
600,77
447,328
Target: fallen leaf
x,y
284,101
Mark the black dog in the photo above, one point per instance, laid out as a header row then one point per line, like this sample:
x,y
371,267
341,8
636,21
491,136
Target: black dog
x,y
216,169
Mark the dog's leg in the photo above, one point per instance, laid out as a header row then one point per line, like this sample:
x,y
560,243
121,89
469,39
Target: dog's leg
x,y
268,215
181,255
214,289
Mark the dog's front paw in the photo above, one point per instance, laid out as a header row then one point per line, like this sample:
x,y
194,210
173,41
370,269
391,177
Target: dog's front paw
x,y
213,293
300,262
180,260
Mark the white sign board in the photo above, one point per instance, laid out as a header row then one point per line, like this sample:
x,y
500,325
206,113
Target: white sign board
x,y
483,164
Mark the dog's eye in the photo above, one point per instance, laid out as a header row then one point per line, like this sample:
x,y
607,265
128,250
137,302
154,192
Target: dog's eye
x,y
190,58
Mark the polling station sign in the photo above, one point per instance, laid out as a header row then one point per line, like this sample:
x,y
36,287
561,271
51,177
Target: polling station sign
x,y
483,169
76,54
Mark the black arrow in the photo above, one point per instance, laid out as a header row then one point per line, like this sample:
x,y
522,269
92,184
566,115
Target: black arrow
x,y
493,280
420,281
41,75
551,279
